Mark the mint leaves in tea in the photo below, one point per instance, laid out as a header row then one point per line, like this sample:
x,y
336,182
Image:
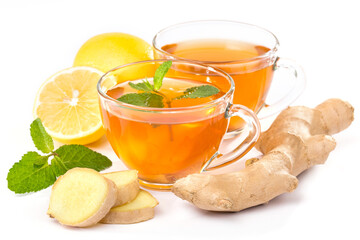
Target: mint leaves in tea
x,y
157,93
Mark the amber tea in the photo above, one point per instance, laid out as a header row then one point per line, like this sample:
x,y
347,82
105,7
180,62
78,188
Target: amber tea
x,y
160,149
252,76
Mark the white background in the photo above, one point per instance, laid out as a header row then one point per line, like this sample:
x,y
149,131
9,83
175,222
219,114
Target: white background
x,y
39,38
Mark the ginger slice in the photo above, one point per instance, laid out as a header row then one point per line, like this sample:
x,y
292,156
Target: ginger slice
x,y
81,197
138,210
298,139
127,185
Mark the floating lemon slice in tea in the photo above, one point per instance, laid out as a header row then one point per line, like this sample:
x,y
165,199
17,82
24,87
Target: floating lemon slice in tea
x,y
67,104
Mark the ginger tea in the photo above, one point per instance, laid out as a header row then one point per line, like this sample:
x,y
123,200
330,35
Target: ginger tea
x,y
252,75
163,147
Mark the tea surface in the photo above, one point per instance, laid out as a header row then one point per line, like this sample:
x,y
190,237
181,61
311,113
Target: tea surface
x,y
215,50
171,88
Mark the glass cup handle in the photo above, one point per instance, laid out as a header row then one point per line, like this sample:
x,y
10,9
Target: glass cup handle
x,y
252,124
295,91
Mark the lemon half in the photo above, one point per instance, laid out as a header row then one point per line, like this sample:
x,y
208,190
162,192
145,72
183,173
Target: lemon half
x,y
68,106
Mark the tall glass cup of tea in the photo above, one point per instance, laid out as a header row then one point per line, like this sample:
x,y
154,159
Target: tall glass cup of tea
x,y
247,52
167,132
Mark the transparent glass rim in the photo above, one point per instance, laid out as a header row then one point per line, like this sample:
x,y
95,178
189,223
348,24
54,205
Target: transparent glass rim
x,y
269,53
203,106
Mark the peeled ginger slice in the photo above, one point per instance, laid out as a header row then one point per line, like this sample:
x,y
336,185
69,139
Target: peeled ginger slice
x,y
127,185
81,197
138,210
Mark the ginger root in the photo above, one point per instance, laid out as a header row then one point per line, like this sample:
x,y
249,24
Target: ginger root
x,y
298,139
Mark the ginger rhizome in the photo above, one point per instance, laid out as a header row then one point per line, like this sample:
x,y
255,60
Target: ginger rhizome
x,y
298,139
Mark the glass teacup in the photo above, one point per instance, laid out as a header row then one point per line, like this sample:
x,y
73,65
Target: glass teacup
x,y
168,143
246,52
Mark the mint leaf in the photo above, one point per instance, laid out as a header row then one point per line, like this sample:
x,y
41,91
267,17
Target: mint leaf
x,y
33,172
143,86
160,74
40,137
151,96
199,92
70,156
28,176
146,99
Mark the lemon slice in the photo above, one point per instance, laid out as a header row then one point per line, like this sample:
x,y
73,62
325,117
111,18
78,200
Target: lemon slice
x,y
68,106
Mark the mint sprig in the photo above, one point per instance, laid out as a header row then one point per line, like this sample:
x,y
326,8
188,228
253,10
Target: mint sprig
x,y
152,97
34,173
